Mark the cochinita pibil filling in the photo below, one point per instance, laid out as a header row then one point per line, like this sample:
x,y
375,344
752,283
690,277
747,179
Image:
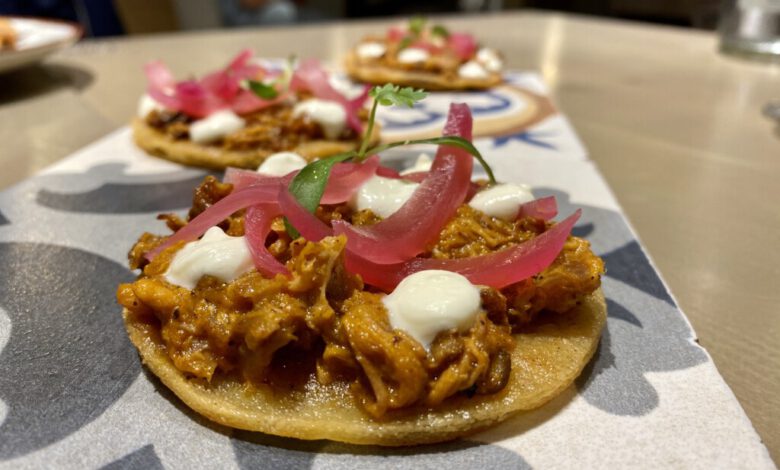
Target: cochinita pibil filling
x,y
275,128
323,320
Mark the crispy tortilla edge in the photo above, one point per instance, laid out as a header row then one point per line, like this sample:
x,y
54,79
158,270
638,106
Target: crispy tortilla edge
x,y
252,411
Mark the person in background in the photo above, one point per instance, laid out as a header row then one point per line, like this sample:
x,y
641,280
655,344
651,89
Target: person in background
x,y
254,12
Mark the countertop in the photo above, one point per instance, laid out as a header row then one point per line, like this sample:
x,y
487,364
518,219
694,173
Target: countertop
x,y
675,127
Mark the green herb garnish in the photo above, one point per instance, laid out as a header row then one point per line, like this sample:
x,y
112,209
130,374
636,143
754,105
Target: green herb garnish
x,y
441,31
309,184
265,91
270,90
389,95
417,24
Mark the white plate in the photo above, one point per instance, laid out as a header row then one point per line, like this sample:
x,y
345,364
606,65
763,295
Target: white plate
x,y
36,39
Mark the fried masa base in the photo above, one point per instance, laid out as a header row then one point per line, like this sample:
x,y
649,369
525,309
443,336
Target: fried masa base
x,y
380,74
548,356
190,153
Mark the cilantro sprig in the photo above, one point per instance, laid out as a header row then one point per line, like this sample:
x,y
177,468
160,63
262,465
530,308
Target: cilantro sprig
x,y
441,31
309,184
389,95
266,91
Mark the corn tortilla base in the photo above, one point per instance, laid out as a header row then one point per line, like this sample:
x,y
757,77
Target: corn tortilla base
x,y
380,74
190,153
548,356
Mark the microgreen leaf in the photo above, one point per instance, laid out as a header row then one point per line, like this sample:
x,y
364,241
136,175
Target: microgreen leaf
x,y
416,24
455,141
309,184
439,30
390,94
265,91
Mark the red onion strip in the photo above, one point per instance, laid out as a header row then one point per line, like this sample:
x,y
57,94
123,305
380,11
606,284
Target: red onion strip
x,y
497,270
309,226
544,208
215,214
257,225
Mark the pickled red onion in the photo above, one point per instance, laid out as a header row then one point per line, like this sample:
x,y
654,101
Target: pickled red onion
x,y
161,84
257,225
242,178
246,101
406,233
544,208
221,84
159,76
387,172
241,68
312,77
463,45
226,83
217,90
309,226
220,211
497,270
416,177
396,33
195,100
341,186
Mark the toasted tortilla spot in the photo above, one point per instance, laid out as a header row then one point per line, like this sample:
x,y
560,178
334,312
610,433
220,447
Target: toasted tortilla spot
x,y
380,74
548,356
188,152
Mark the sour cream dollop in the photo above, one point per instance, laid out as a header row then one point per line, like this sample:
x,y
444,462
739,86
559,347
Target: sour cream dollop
x,y
502,200
472,69
429,302
413,55
330,115
371,50
215,254
383,196
215,126
282,163
490,59
423,163
147,104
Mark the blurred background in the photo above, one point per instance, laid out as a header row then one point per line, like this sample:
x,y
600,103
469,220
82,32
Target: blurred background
x,y
120,17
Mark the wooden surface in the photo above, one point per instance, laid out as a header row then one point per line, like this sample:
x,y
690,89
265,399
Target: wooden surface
x,y
675,127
